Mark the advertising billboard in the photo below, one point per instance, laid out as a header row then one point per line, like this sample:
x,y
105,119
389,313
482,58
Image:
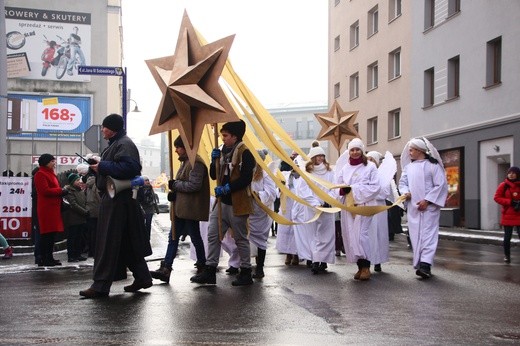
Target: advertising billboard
x,y
48,115
16,207
47,44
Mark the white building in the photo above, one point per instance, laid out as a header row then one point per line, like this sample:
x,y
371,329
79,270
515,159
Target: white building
x,y
449,68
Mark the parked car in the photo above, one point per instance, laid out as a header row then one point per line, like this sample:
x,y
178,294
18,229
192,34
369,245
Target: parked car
x,y
164,204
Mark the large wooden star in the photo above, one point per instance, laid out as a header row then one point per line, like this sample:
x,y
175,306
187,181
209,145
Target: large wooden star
x,y
337,125
192,96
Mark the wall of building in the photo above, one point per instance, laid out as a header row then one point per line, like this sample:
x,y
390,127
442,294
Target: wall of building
x,y
481,117
105,92
391,93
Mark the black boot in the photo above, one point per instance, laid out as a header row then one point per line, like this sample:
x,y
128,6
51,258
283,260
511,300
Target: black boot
x,y
244,278
163,273
424,270
260,260
208,276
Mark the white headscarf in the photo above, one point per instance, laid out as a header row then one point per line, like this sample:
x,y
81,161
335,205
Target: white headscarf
x,y
423,145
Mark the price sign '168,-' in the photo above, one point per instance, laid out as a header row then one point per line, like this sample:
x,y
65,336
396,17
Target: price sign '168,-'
x,y
61,116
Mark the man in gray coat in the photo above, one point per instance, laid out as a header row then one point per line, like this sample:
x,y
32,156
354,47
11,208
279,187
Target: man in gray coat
x,y
190,192
121,240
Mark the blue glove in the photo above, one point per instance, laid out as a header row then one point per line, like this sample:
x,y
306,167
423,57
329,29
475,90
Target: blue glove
x,y
215,154
222,190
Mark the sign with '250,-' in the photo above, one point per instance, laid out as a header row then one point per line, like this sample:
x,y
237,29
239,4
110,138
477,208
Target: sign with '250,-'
x,y
15,207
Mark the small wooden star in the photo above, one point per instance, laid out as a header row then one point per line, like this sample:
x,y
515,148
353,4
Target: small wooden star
x,y
192,96
337,125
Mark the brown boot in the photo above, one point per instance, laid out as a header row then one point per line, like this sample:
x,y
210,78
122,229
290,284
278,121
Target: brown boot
x,y
163,273
288,259
365,274
295,260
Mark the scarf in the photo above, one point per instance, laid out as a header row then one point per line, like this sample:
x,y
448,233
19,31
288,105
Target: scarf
x,y
355,162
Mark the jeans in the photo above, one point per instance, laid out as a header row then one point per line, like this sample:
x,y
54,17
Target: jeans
x,y
148,224
74,237
192,228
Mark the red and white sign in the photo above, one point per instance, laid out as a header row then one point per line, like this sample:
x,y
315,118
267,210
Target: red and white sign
x,y
62,160
15,207
58,117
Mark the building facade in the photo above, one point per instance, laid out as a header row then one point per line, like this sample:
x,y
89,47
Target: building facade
x,y
453,88
50,104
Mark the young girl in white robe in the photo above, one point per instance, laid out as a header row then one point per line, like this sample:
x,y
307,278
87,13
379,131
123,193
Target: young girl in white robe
x,y
361,177
315,241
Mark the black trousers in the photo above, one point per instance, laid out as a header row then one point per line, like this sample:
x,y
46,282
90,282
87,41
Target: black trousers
x,y
47,247
508,234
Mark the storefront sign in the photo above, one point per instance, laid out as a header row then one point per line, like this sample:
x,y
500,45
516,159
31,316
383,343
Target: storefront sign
x,y
15,207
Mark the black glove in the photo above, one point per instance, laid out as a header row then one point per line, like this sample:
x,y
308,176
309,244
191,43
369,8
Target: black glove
x,y
92,161
326,205
64,192
172,196
516,204
171,184
344,190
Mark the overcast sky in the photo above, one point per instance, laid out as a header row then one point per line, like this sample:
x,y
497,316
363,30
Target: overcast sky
x,y
279,51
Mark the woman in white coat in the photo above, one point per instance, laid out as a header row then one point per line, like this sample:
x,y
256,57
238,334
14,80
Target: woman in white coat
x,y
361,177
316,241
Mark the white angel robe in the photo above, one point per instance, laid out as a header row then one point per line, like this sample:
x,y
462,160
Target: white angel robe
x,y
285,242
259,221
424,180
356,229
379,241
315,241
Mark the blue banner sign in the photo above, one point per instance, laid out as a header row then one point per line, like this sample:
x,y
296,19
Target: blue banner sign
x,y
100,70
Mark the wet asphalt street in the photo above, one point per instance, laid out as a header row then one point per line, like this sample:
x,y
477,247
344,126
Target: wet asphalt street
x,y
472,299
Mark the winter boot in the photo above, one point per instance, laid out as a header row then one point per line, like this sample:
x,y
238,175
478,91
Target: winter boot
x,y
260,260
232,270
424,270
356,276
377,268
365,274
208,276
244,278
288,259
163,273
295,260
8,253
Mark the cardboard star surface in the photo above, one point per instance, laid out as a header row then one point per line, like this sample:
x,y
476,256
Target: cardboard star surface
x,y
192,96
337,126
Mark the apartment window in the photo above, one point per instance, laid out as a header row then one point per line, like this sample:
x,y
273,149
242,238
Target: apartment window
x,y
354,86
394,64
336,90
453,7
429,14
372,76
429,78
336,43
354,35
300,131
494,62
394,9
454,77
373,21
394,123
372,130
310,129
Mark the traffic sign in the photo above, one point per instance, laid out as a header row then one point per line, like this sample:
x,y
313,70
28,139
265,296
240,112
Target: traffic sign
x,y
101,70
93,139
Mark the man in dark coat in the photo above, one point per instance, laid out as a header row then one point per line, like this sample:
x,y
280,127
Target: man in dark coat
x,y
121,240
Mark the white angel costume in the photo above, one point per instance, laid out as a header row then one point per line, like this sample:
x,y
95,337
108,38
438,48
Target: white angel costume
x,y
424,180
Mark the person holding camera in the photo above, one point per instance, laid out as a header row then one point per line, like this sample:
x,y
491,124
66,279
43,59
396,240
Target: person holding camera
x,y
508,196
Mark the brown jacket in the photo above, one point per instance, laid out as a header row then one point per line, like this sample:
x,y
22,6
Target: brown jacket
x,y
192,189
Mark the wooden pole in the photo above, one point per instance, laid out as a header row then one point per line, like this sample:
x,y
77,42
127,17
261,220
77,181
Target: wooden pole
x,y
217,176
172,203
